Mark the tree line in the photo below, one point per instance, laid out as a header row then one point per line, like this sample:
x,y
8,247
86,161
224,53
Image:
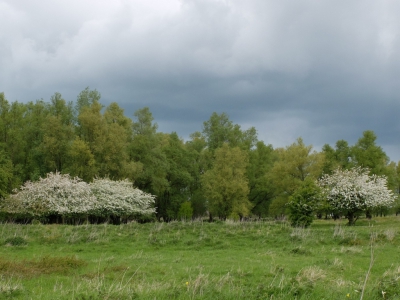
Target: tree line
x,y
221,171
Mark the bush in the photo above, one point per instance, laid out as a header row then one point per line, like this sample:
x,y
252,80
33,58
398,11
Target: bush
x,y
61,198
121,199
57,194
302,204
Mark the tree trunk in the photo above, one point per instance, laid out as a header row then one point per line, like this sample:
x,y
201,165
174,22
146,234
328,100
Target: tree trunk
x,y
352,218
210,219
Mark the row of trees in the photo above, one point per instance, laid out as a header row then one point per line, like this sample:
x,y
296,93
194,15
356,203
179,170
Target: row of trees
x,y
223,169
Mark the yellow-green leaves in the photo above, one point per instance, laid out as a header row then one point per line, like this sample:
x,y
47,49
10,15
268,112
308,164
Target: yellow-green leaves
x,y
226,185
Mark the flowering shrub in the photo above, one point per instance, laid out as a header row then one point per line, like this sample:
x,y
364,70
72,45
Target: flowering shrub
x,y
353,191
61,195
119,198
56,194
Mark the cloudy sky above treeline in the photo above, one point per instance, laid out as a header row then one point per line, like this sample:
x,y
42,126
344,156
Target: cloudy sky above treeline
x,y
320,70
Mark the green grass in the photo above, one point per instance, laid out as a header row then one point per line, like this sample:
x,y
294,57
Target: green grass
x,y
196,260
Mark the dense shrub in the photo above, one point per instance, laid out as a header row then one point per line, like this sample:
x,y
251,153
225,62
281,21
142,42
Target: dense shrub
x,y
303,203
60,197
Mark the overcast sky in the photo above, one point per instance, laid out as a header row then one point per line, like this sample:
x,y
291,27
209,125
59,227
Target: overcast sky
x,y
320,70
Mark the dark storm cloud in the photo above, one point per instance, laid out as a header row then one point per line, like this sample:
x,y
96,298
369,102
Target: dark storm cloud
x,y
323,70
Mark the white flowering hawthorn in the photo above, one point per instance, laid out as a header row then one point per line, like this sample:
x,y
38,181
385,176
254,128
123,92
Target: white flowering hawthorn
x,y
120,198
56,194
353,191
60,194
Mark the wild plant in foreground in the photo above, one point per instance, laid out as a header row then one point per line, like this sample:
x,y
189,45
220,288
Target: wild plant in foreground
x,y
300,233
338,231
9,287
390,234
389,283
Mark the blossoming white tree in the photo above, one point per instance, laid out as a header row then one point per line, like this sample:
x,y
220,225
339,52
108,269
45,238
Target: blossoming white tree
x,y
120,198
353,191
61,195
57,194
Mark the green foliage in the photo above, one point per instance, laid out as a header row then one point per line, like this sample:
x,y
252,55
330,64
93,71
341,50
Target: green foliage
x,y
278,208
145,150
89,140
226,185
219,130
200,160
340,157
367,154
261,160
199,203
178,177
294,165
303,203
80,161
185,211
6,174
85,99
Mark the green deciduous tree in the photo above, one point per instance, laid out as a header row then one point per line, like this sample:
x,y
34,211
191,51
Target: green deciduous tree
x,y
90,125
338,157
58,132
146,151
261,160
112,152
295,164
4,119
85,99
219,130
80,161
367,154
200,160
226,185
6,174
177,176
13,140
35,117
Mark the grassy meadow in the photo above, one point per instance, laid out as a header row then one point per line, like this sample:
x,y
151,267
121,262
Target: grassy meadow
x,y
201,260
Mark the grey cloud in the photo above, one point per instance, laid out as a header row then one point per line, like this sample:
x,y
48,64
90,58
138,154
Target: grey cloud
x,y
321,70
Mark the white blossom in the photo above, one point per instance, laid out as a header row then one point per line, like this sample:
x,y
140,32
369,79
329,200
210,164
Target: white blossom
x,y
63,195
354,190
55,194
120,198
